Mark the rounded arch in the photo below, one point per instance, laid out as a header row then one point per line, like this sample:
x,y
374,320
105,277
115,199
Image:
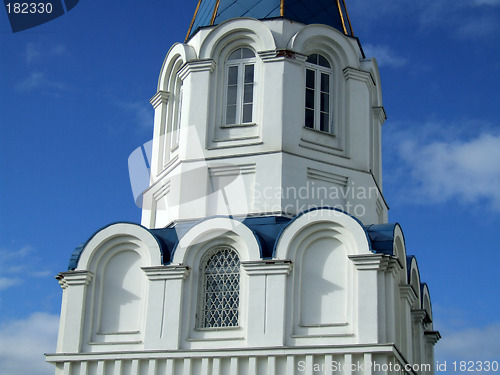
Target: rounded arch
x,y
414,278
177,56
213,232
120,236
343,226
321,38
244,31
426,302
399,251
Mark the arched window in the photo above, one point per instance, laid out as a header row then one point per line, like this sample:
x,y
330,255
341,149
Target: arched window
x,y
239,73
319,99
220,299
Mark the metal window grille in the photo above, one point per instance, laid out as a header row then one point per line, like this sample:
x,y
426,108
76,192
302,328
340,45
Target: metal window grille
x,y
221,289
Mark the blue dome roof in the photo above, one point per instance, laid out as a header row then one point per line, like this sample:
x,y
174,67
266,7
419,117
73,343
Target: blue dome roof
x,y
327,12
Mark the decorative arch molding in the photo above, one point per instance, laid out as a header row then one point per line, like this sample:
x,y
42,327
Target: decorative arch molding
x,y
314,38
213,232
116,236
426,302
346,228
399,251
244,30
414,279
177,56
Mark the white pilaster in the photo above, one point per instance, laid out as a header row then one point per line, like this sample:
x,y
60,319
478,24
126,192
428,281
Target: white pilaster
x,y
266,299
368,267
74,285
164,313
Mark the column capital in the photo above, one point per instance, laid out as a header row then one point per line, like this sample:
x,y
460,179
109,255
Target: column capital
x,y
359,75
207,65
168,272
282,55
418,315
267,267
394,267
380,113
407,292
72,278
160,97
374,262
432,337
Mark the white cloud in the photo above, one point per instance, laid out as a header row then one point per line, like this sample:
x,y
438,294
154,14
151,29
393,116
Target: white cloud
x,y
141,113
24,342
35,52
477,344
384,55
38,80
441,162
467,170
461,19
32,52
6,282
12,262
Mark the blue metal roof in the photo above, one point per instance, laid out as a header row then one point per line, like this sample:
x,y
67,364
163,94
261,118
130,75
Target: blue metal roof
x,y
266,229
327,12
382,237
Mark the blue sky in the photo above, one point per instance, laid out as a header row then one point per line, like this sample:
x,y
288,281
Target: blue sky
x,y
74,103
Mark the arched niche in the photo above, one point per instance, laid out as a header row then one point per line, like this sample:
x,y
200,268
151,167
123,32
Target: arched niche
x,y
350,230
116,298
177,56
321,287
246,31
414,280
427,305
118,234
313,38
399,251
215,230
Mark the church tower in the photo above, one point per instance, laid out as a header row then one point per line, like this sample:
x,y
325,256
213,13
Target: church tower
x,y
264,246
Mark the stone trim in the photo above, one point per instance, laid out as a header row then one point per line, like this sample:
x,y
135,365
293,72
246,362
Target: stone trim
x,y
72,278
169,272
160,97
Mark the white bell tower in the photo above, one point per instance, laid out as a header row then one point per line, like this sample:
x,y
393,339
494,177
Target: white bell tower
x,y
266,117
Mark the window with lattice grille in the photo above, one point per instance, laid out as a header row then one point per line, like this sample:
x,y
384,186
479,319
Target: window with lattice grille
x,y
220,289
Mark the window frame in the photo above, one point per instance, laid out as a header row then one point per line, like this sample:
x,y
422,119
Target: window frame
x,y
320,70
240,64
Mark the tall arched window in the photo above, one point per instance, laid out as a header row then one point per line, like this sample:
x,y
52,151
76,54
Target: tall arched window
x,y
239,73
319,99
220,299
